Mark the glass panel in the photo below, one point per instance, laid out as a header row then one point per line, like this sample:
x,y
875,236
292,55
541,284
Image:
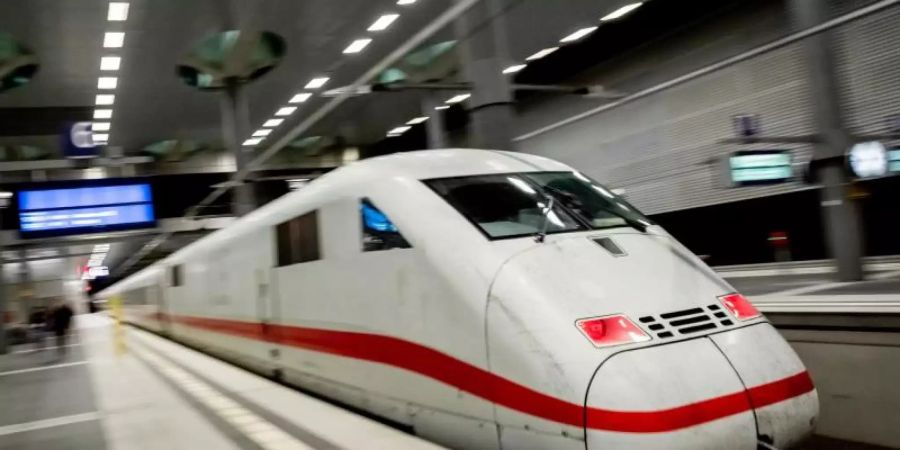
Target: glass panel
x,y
504,205
592,202
379,233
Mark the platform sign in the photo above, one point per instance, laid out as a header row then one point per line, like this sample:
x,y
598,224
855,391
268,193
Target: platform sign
x,y
87,209
78,141
751,167
894,160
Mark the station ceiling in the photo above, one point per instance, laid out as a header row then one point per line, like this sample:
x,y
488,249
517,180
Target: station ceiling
x,y
152,104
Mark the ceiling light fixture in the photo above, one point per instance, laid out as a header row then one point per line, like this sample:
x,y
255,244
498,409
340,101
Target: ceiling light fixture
x,y
542,53
104,99
113,39
273,123
399,130
285,111
357,45
300,98
103,113
253,141
405,2
442,107
458,98
110,63
514,69
578,34
417,120
262,132
621,11
383,22
118,12
100,126
102,137
107,82
317,82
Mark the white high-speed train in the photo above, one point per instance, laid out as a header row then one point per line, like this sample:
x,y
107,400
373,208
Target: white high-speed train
x,y
486,299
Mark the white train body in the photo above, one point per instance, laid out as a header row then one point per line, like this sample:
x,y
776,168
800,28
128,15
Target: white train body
x,y
476,341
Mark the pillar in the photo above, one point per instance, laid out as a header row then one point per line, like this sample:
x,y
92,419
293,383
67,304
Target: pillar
x,y
235,123
484,54
840,213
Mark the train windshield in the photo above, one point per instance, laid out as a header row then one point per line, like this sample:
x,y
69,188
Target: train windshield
x,y
524,204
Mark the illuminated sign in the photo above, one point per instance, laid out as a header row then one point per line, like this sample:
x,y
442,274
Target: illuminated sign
x,y
758,167
91,273
85,210
868,159
894,160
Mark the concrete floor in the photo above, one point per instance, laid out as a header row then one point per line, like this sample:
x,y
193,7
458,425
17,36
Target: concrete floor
x,y
48,400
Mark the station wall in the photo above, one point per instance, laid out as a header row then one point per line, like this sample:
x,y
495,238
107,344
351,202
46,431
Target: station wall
x,y
663,148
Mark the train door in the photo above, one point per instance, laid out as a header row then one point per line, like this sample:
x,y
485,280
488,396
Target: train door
x,y
157,297
268,313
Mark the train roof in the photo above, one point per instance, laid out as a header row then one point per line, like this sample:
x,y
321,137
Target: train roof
x,y
421,165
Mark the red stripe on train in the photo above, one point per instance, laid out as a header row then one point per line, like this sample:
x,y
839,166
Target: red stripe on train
x,y
489,386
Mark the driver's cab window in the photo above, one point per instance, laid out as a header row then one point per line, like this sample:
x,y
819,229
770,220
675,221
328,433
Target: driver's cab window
x,y
379,233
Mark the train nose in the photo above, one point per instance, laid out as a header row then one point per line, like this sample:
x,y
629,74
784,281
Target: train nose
x,y
690,395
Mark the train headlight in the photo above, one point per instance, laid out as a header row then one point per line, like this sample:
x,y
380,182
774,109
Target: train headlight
x,y
611,330
739,306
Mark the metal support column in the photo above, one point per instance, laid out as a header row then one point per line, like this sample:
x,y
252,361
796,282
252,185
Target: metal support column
x,y
435,125
484,53
235,123
841,214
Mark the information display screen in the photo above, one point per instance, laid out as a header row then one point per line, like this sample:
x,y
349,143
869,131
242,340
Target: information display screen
x,y
894,160
85,210
760,167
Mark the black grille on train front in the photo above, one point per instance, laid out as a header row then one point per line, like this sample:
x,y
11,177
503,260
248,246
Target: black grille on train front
x,y
686,322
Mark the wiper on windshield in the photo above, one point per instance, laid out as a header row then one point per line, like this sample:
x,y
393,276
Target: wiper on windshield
x,y
542,234
571,202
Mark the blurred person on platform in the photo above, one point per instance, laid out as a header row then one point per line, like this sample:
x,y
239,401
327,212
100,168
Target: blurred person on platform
x,y
60,320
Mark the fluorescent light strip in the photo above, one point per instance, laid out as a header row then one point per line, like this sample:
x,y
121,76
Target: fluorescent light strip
x,y
253,141
262,132
442,107
578,34
357,45
621,11
118,12
110,63
113,39
514,69
104,99
286,111
399,130
542,53
417,120
317,82
107,82
103,113
100,126
383,22
102,137
273,123
405,2
458,98
300,98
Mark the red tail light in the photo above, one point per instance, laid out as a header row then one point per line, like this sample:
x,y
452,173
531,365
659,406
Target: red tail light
x,y
611,330
739,306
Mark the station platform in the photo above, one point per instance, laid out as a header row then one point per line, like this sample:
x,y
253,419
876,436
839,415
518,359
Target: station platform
x,y
809,287
156,394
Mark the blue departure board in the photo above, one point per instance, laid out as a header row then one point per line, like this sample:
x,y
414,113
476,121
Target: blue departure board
x,y
85,209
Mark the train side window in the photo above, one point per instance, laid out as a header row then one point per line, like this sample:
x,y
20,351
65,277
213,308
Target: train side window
x,y
298,239
177,278
379,233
